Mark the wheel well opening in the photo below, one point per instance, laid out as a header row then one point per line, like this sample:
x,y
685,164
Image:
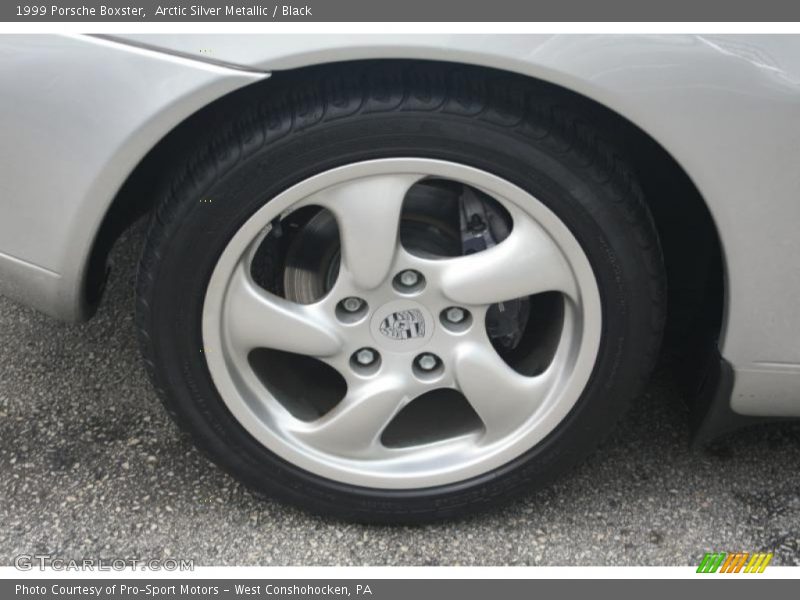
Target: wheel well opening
x,y
691,247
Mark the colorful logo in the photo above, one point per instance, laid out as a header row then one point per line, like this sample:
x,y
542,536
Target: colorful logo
x,y
734,562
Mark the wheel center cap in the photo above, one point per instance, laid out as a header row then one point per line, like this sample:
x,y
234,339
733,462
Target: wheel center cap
x,y
402,325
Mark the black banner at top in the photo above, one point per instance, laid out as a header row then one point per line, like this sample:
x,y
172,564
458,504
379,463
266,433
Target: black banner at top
x,y
400,10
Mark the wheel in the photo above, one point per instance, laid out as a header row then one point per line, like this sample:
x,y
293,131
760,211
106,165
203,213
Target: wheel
x,y
400,292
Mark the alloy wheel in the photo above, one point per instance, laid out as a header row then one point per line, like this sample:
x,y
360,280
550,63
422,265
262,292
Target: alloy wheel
x,y
397,325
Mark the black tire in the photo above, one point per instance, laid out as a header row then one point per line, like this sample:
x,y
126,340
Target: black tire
x,y
310,121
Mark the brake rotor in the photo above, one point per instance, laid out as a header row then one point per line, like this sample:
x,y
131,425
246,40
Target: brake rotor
x,y
314,253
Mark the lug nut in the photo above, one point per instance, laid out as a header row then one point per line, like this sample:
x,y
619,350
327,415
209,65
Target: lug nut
x,y
366,356
409,278
455,314
408,281
352,304
427,362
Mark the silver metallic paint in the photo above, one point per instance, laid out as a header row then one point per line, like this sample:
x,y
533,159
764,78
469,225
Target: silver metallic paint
x,y
726,108
76,116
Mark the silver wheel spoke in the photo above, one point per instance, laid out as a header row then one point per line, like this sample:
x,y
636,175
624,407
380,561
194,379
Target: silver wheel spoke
x,y
367,211
258,319
503,398
527,262
354,426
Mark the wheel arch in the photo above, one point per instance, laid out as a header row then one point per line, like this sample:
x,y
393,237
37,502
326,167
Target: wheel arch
x,y
692,249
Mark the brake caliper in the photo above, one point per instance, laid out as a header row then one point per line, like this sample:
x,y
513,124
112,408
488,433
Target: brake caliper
x,y
482,227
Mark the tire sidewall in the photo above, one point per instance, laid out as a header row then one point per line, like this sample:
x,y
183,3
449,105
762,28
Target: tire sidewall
x,y
208,214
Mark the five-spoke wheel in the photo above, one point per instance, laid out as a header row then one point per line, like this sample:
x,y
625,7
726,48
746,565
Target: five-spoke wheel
x,y
396,324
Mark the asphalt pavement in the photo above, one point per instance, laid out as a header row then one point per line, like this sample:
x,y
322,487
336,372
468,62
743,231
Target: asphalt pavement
x,y
91,466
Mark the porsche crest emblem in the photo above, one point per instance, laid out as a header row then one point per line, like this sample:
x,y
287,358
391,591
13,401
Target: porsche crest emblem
x,y
404,325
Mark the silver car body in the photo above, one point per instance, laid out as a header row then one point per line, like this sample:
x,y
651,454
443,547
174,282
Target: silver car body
x,y
78,113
